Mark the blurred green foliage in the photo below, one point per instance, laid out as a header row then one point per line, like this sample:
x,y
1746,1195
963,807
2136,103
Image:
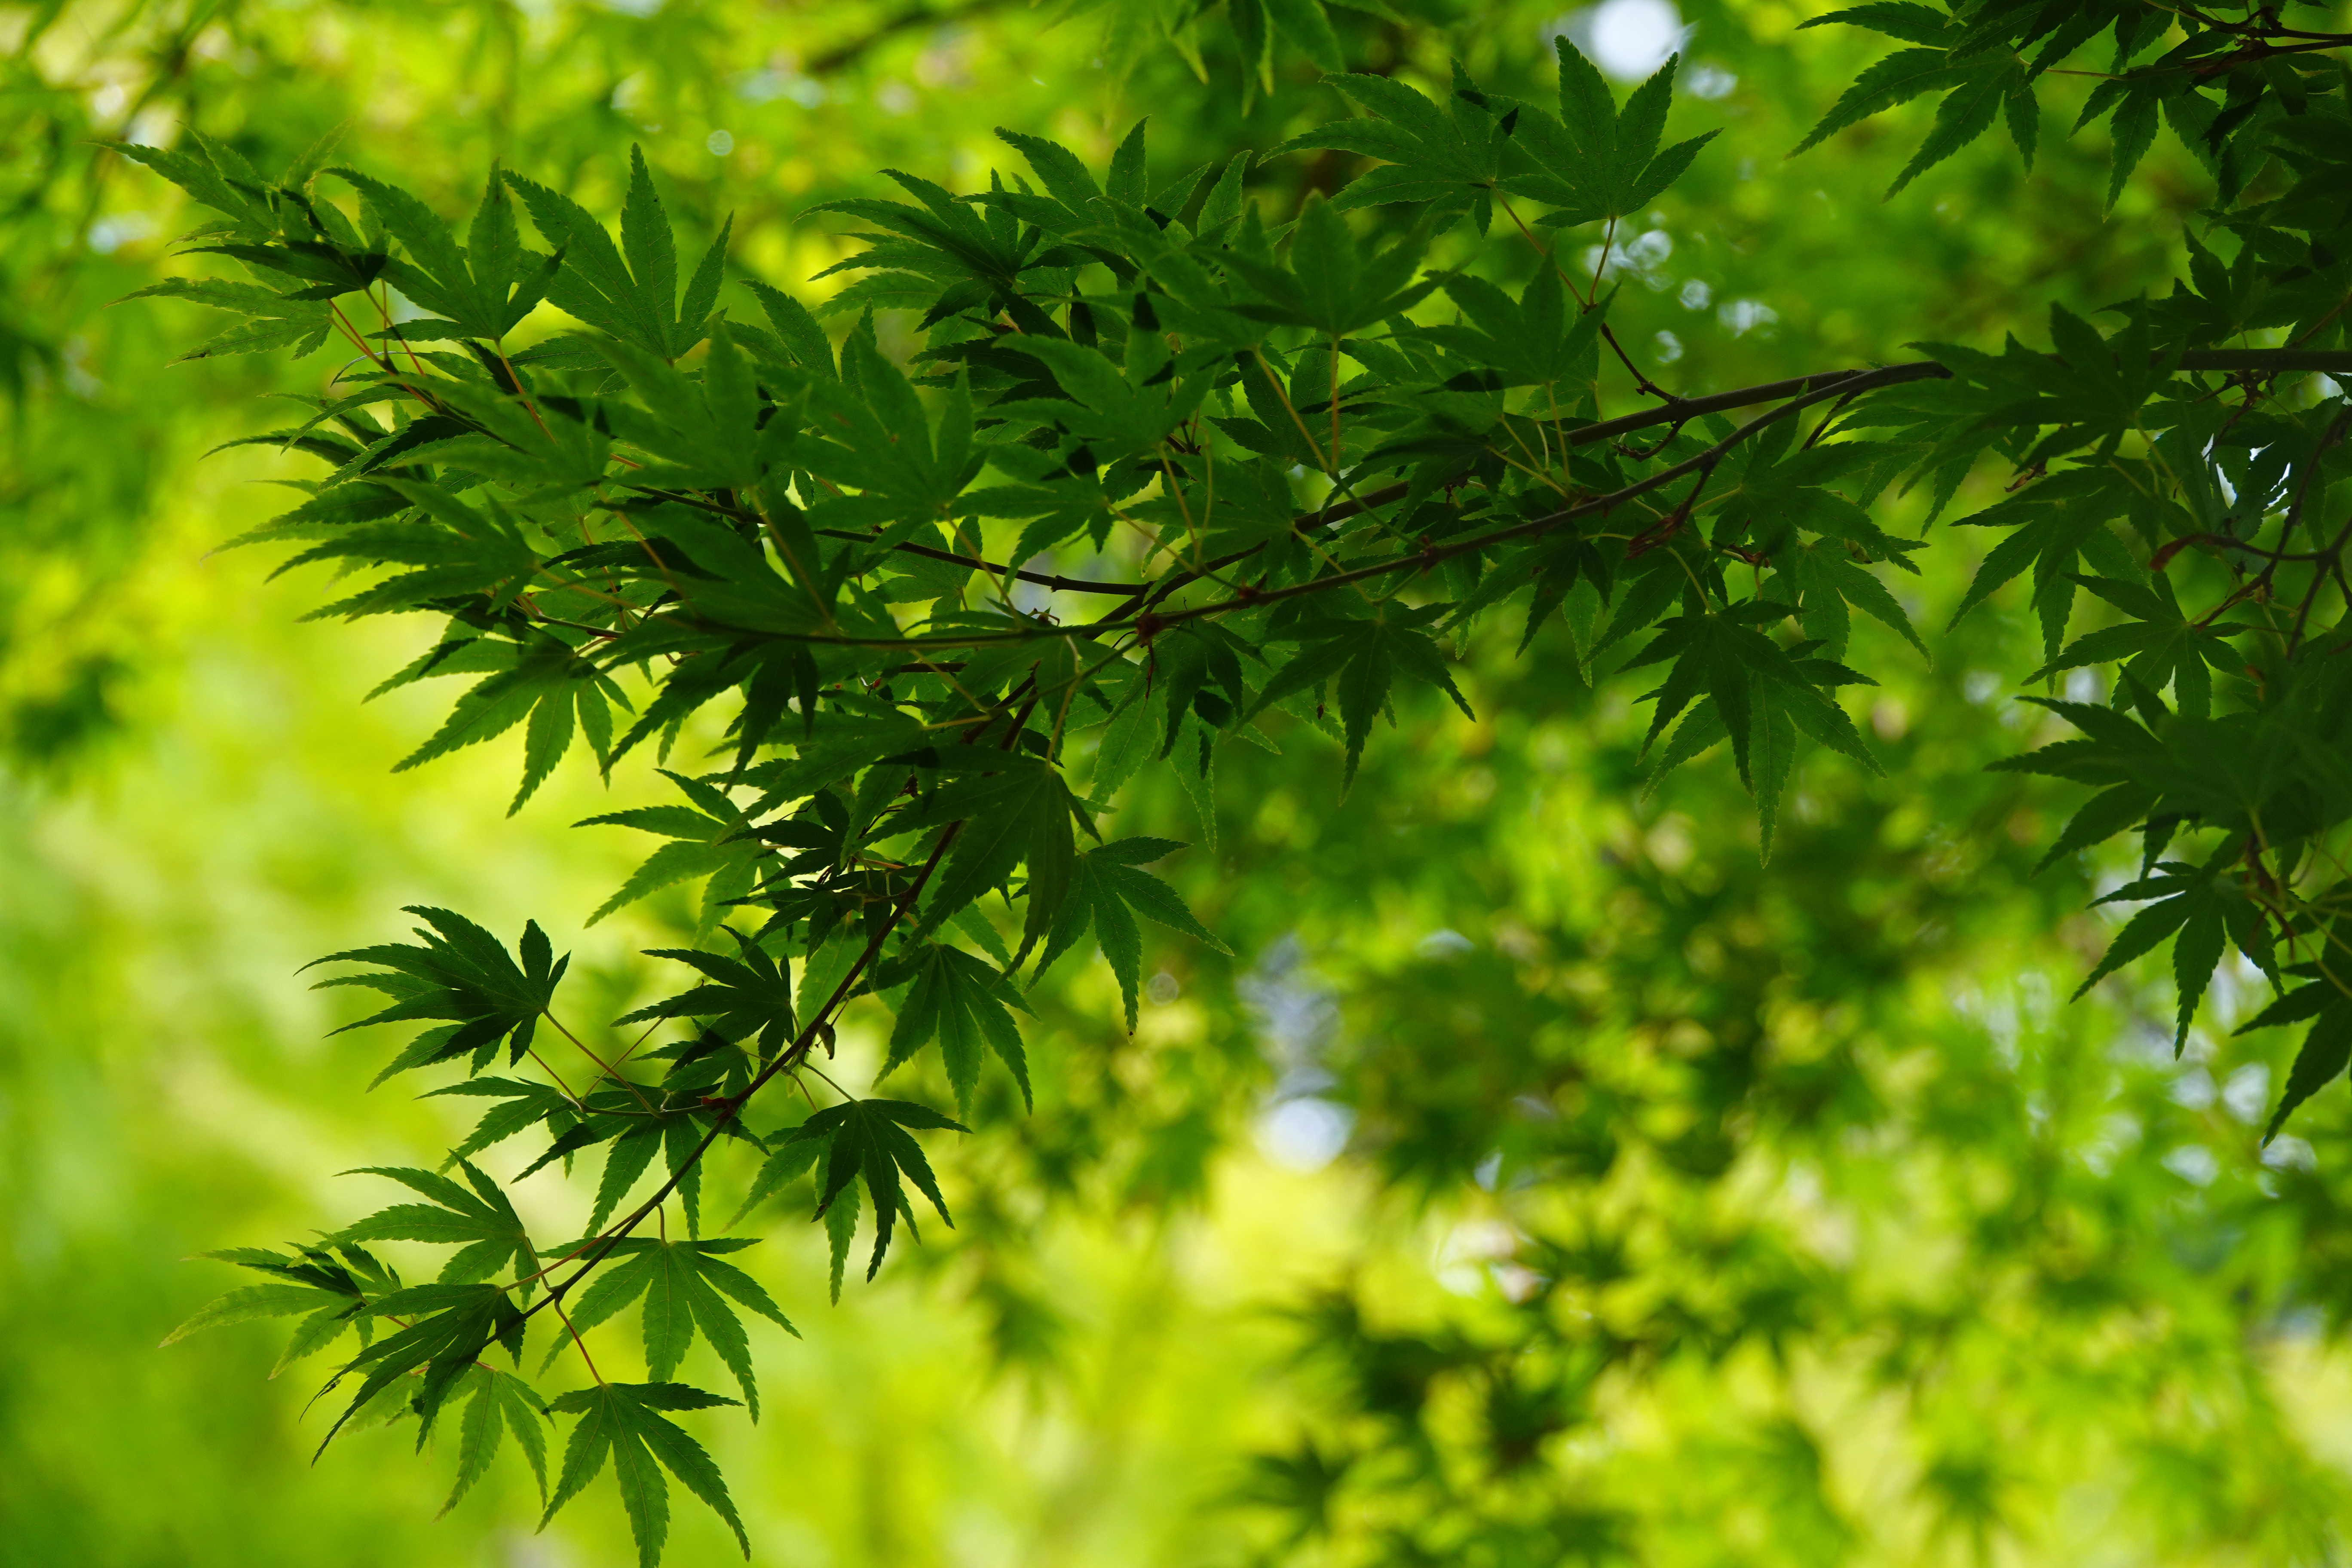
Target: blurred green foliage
x,y
1543,1180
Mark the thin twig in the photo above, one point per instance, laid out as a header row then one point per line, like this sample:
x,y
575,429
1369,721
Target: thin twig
x,y
793,1055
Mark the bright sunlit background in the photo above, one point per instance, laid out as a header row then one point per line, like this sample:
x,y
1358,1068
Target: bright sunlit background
x,y
1927,1265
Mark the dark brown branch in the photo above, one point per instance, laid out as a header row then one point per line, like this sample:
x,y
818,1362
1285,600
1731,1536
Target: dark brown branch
x,y
1809,391
1852,384
793,1055
1679,412
1042,579
1833,384
1703,462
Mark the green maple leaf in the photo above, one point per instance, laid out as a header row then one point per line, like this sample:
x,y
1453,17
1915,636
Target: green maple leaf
x,y
1331,284
1833,584
1450,155
482,289
1778,494
706,432
883,443
630,292
1108,891
523,1104
1981,84
2322,1056
2162,645
709,838
2091,391
2327,1049
634,1140
1074,207
1306,26
461,971
1071,191
1593,162
481,1224
621,1421
249,1302
641,1120
219,176
453,1325
500,1403
685,1288
940,255
1362,657
1016,810
1898,78
2100,383
2141,776
2057,522
274,318
964,1003
1531,341
456,552
726,584
1759,694
330,1290
1114,411
272,225
748,996
2202,911
784,1164
538,680
867,1139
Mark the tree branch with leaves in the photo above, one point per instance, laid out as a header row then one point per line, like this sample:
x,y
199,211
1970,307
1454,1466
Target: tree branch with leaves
x,y
700,521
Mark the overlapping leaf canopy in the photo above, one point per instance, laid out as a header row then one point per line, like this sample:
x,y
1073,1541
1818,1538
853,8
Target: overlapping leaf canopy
x,y
1307,465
